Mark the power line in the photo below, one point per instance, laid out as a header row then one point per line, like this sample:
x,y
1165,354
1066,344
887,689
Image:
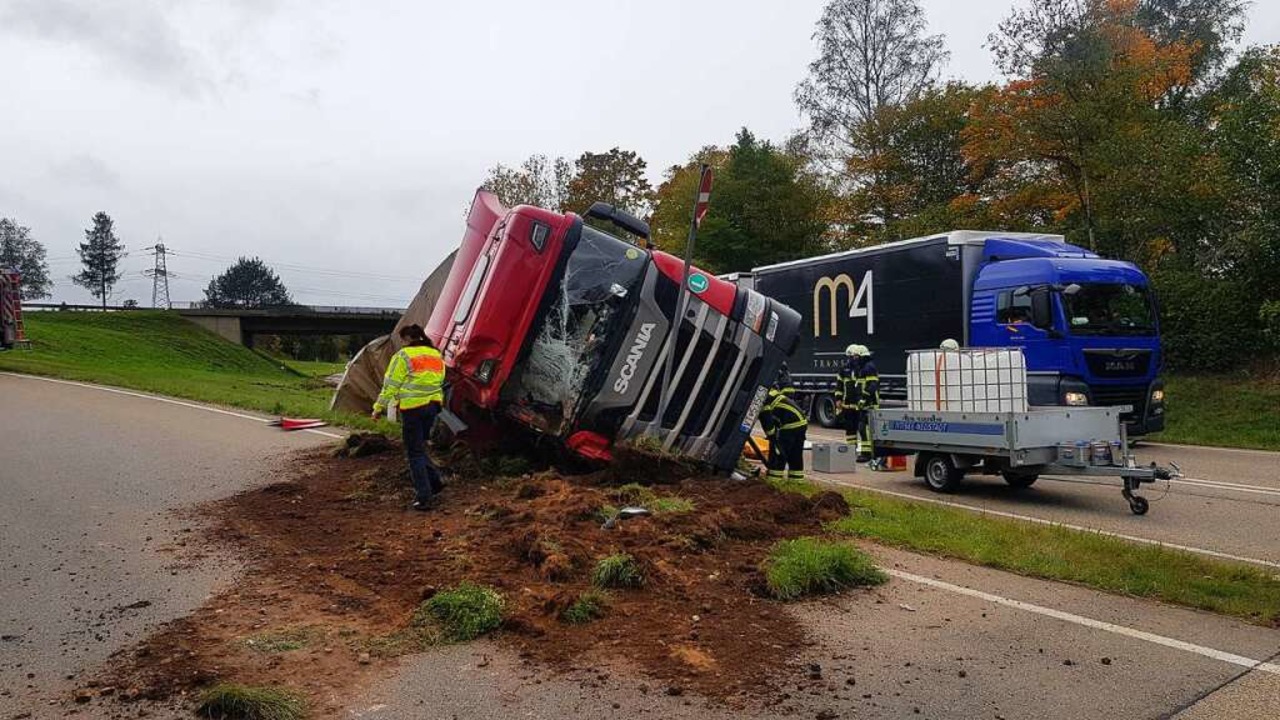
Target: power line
x,y
210,257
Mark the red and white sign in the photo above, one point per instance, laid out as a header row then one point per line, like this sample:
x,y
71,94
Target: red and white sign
x,y
704,195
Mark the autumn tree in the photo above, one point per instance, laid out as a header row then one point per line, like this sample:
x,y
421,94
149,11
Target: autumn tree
x,y
249,283
616,177
100,254
539,181
871,54
21,252
765,207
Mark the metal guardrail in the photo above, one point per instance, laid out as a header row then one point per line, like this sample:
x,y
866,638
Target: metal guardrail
x,y
269,309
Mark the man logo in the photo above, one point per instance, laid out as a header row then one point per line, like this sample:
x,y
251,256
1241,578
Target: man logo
x,y
861,303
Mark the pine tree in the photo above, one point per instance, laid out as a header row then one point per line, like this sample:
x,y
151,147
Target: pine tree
x,y
101,253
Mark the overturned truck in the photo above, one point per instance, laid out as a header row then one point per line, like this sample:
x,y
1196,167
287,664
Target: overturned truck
x,y
564,329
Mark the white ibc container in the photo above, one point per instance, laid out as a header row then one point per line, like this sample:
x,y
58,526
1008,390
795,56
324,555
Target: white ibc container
x,y
967,380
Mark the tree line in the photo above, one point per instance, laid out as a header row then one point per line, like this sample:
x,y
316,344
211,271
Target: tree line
x,y
1136,128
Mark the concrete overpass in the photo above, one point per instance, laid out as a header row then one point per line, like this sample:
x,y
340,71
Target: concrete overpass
x,y
239,325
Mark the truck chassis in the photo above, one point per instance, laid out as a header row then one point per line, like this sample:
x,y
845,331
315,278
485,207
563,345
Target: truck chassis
x,y
1020,446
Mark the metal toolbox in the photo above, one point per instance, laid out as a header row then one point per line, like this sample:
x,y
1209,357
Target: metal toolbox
x,y
835,457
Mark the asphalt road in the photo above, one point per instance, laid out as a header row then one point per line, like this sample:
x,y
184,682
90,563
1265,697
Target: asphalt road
x,y
93,558
1228,503
90,554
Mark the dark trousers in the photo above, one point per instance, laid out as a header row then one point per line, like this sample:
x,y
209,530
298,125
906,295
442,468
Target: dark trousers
x,y
786,451
415,428
849,420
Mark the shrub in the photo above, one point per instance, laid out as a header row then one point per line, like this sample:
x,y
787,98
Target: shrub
x,y
231,701
617,571
1208,323
809,566
589,606
462,613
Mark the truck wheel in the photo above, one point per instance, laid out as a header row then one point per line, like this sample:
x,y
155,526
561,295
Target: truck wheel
x,y
824,411
1019,480
940,474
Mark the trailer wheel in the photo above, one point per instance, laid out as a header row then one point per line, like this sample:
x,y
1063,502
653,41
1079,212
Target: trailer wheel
x,y
1019,480
1139,505
941,474
824,411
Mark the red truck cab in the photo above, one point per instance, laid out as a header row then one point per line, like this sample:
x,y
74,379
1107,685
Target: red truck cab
x,y
562,327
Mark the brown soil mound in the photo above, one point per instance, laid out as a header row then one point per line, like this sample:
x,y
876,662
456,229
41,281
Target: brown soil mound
x,y
338,566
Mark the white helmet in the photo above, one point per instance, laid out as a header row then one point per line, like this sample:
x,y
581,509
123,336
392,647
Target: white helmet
x,y
853,350
950,344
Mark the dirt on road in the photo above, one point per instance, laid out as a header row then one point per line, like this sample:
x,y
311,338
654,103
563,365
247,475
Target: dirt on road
x,y
337,567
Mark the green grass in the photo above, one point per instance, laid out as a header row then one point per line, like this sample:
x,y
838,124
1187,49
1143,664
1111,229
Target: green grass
x,y
462,613
1054,553
313,368
1233,410
810,566
159,352
619,570
637,494
283,639
231,701
590,605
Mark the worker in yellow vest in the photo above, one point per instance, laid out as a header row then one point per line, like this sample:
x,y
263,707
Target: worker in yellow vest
x,y
414,384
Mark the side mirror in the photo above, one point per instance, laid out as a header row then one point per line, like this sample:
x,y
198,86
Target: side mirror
x,y
1042,310
619,218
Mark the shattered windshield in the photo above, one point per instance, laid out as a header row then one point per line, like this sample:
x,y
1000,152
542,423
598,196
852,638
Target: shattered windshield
x,y
1111,309
600,276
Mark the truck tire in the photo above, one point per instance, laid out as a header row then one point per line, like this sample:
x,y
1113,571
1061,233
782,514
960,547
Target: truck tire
x,y
824,411
1019,480
940,473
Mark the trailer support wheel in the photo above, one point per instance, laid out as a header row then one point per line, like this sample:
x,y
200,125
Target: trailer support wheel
x,y
1137,504
940,473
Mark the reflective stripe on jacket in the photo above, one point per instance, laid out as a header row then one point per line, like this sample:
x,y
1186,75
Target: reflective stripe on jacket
x,y
414,378
781,413
868,386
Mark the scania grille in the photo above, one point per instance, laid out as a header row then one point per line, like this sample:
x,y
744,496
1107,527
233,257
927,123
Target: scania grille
x,y
707,367
1136,396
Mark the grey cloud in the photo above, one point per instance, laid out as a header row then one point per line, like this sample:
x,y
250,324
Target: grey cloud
x,y
85,170
134,36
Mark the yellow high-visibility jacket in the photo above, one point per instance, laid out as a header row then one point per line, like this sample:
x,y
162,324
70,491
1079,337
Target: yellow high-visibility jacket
x,y
414,378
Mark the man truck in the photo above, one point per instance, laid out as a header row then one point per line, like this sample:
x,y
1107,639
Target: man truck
x,y
548,321
1087,325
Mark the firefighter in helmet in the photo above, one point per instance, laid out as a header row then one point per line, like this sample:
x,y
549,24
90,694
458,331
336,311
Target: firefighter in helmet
x,y
859,383
785,425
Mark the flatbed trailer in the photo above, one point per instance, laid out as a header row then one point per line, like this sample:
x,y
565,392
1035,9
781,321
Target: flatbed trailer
x,y
1018,445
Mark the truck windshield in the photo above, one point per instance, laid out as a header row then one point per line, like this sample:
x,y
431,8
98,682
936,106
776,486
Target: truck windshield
x,y
587,309
1110,309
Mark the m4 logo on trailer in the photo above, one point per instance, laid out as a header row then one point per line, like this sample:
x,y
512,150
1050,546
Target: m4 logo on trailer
x,y
861,301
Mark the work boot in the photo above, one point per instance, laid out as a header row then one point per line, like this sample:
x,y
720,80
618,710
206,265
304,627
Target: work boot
x,y
864,457
421,506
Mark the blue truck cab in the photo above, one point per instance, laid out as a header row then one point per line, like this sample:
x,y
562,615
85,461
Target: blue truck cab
x,y
1087,325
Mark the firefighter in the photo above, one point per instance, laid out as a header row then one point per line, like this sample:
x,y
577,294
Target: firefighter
x,y
866,398
949,344
846,395
785,425
415,384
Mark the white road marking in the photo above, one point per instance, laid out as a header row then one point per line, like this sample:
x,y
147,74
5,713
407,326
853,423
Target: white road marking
x,y
1219,485
1143,635
1055,523
1241,451
171,401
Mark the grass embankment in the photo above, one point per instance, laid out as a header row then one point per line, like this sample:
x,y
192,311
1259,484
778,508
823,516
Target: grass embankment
x,y
1054,553
1224,410
162,353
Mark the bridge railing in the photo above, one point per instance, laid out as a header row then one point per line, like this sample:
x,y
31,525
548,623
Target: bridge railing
x,y
198,305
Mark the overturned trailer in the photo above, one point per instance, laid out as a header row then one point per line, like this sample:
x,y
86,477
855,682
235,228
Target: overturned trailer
x,y
563,328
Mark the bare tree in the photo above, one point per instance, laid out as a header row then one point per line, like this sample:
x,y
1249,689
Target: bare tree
x,y
871,54
539,181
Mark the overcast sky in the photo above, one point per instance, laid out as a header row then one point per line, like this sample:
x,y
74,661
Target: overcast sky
x,y
332,136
